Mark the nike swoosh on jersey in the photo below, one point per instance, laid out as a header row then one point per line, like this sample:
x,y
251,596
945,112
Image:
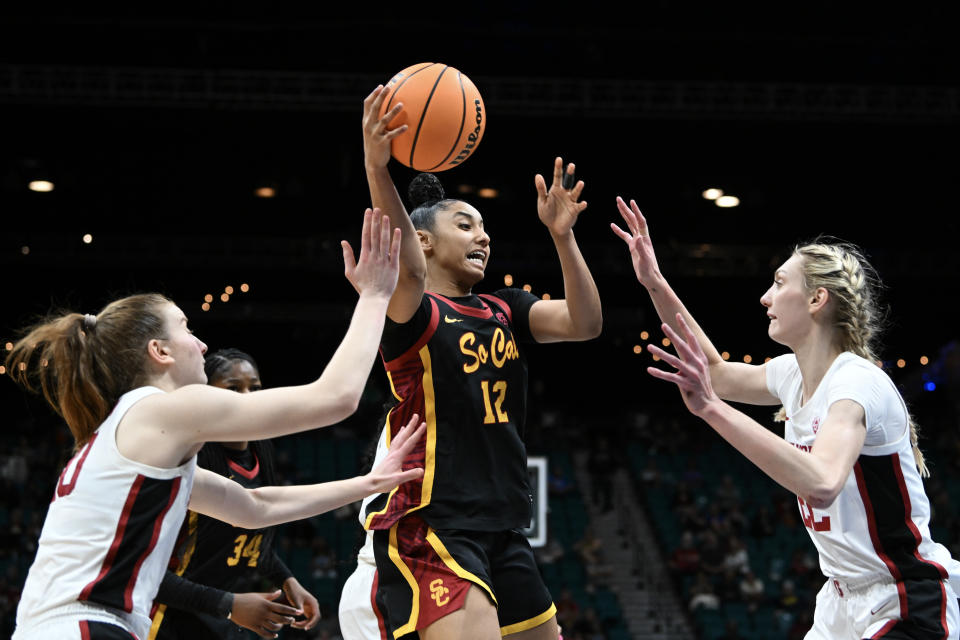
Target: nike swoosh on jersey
x,y
447,318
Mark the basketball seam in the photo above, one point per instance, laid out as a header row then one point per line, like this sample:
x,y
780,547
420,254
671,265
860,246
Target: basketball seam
x,y
423,115
402,82
463,119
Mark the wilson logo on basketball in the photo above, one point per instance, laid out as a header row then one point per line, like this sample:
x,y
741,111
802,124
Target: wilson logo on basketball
x,y
472,137
439,592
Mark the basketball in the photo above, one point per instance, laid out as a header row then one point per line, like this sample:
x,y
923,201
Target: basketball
x,y
444,113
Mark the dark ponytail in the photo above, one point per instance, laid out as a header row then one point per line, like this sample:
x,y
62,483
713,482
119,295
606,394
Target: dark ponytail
x,y
426,197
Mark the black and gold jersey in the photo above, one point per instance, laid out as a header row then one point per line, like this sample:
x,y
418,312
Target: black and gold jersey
x,y
216,554
458,364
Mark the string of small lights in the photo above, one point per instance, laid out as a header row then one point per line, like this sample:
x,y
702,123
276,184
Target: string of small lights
x,y
224,297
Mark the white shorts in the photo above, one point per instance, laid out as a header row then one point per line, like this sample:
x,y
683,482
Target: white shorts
x,y
914,610
76,622
358,619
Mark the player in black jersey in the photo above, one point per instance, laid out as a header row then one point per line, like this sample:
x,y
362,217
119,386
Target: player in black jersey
x,y
451,559
201,596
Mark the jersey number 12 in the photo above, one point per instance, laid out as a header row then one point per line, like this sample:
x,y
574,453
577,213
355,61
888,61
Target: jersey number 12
x,y
500,392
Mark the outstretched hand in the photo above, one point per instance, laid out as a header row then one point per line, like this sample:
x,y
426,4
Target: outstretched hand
x,y
377,269
304,601
638,241
559,207
376,136
389,473
692,374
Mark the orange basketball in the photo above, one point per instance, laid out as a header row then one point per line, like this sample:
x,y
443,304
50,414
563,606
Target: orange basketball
x,y
444,113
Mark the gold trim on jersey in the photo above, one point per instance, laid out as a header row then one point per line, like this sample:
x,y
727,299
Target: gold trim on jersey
x,y
531,623
430,449
393,389
192,522
453,565
394,553
430,411
386,425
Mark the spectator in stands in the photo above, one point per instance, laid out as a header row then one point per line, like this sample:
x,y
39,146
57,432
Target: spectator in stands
x,y
685,559
789,600
567,609
717,521
712,553
731,631
800,626
691,474
686,509
728,586
763,524
602,465
550,552
324,561
737,520
588,625
802,563
727,492
736,557
702,593
752,590
650,474
590,550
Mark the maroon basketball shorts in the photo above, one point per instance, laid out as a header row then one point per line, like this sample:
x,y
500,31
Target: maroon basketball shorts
x,y
424,574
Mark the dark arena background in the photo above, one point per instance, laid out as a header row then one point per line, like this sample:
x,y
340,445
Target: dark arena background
x,y
220,146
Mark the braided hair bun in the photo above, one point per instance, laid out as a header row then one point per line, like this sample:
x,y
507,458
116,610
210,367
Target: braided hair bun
x,y
425,189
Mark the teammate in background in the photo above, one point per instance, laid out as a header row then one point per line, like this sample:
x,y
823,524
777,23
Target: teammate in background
x,y
216,562
452,561
849,450
130,385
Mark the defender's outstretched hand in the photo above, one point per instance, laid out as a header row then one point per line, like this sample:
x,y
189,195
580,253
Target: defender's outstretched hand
x,y
693,369
376,270
376,136
638,241
389,473
559,207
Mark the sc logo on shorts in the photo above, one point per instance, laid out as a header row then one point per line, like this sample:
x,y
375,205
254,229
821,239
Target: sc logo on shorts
x,y
439,592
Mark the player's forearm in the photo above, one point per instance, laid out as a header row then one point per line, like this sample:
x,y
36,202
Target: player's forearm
x,y
345,376
579,289
269,506
384,195
798,471
180,593
668,305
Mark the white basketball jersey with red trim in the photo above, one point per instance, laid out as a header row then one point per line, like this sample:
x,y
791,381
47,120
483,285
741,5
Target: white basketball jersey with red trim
x,y
109,532
878,527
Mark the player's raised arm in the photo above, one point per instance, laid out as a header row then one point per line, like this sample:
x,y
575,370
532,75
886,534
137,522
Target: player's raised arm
x,y
578,315
731,380
817,476
195,413
384,195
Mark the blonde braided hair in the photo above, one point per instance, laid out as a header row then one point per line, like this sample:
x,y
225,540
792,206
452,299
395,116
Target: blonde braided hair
x,y
841,268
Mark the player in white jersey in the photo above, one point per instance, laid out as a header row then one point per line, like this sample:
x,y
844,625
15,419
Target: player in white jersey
x,y
850,449
130,384
358,612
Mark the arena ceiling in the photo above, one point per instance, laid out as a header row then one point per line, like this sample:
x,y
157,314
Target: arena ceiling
x,y
158,128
